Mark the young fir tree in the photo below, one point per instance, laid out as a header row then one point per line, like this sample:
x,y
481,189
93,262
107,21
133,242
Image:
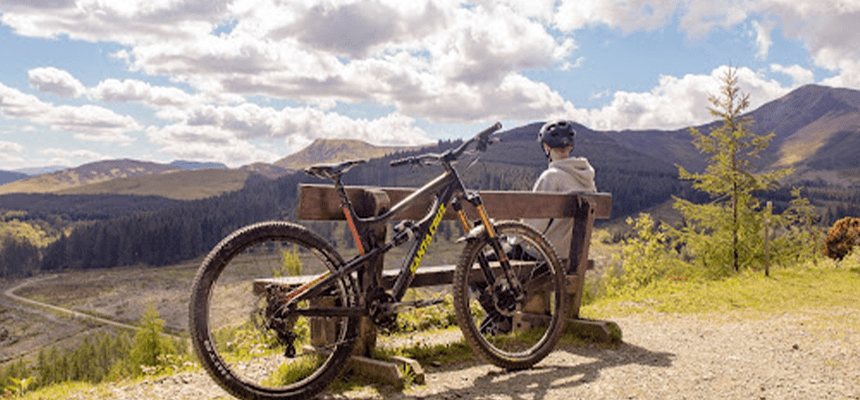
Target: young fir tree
x,y
728,230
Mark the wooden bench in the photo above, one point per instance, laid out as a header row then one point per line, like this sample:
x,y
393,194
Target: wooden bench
x,y
321,203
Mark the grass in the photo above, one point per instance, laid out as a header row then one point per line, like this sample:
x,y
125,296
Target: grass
x,y
829,286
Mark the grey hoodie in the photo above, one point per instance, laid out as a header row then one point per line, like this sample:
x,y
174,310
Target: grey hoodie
x,y
573,174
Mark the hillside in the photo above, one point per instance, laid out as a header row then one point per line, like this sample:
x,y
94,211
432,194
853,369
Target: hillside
x,y
270,171
177,185
816,132
335,150
10,176
86,174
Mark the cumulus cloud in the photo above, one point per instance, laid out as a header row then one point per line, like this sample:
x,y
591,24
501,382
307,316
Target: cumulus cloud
x,y
799,75
236,134
435,60
628,16
56,81
762,38
356,29
66,154
338,53
129,22
72,157
88,122
11,152
676,102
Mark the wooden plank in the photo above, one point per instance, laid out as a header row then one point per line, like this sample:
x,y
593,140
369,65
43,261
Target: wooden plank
x,y
425,276
321,203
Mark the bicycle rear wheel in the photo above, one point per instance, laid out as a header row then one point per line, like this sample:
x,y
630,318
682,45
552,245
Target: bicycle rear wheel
x,y
246,340
510,331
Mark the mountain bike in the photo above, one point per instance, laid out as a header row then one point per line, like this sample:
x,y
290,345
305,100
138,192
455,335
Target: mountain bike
x,y
251,329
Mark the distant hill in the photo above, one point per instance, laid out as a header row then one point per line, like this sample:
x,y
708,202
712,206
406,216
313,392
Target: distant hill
x,y
270,171
10,176
195,165
336,150
177,185
179,180
817,132
86,174
41,170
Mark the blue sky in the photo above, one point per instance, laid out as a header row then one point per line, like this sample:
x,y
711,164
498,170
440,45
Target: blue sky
x,y
241,81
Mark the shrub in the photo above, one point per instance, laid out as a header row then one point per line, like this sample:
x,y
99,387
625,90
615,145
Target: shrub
x,y
844,235
645,258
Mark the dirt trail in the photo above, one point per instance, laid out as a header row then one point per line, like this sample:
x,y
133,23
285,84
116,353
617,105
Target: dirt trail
x,y
47,310
790,356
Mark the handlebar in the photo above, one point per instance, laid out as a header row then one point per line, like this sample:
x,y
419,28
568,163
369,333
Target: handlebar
x,y
482,139
428,157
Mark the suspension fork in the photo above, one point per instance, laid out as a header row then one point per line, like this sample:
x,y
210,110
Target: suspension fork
x,y
476,201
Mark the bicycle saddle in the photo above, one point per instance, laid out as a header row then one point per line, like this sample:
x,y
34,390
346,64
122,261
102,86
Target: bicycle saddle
x,y
332,171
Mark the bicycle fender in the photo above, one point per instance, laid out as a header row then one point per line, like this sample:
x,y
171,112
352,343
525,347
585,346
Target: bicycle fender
x,y
474,234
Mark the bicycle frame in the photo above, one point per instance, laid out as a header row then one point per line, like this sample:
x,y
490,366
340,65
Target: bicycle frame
x,y
444,189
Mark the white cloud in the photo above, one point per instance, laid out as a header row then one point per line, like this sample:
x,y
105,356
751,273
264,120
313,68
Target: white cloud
x,y
762,38
408,58
437,60
72,157
236,134
129,22
11,153
628,16
88,122
676,102
74,154
10,147
799,75
56,81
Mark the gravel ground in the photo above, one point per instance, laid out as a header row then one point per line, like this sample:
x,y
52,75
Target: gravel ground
x,y
791,356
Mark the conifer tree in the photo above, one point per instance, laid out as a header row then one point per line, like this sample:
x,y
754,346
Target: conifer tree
x,y
727,231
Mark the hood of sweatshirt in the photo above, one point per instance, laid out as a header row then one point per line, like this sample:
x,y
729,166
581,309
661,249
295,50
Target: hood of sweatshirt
x,y
578,168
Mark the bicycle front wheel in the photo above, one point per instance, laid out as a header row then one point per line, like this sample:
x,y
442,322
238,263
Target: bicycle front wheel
x,y
511,329
253,346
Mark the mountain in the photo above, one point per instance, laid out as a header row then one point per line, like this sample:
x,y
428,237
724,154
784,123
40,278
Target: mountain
x,y
336,150
195,165
179,180
41,170
270,171
10,176
816,132
85,174
177,185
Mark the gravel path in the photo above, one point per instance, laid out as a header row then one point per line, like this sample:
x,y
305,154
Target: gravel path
x,y
791,356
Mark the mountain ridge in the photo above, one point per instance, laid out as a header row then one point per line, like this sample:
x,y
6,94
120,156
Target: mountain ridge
x,y
336,150
817,132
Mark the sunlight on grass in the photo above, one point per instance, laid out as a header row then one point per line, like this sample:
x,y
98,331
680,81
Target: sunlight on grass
x,y
785,291
300,368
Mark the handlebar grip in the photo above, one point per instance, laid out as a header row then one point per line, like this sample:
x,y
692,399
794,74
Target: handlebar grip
x,y
490,130
484,137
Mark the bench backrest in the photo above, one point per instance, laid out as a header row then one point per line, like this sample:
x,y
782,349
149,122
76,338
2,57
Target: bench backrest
x,y
321,203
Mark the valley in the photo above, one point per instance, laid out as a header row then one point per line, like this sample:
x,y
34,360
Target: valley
x,y
116,236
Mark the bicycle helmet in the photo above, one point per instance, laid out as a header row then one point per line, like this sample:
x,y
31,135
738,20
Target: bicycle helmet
x,y
556,134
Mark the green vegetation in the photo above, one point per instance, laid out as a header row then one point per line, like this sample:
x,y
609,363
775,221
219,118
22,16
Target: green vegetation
x,y
723,232
712,262
800,287
100,358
